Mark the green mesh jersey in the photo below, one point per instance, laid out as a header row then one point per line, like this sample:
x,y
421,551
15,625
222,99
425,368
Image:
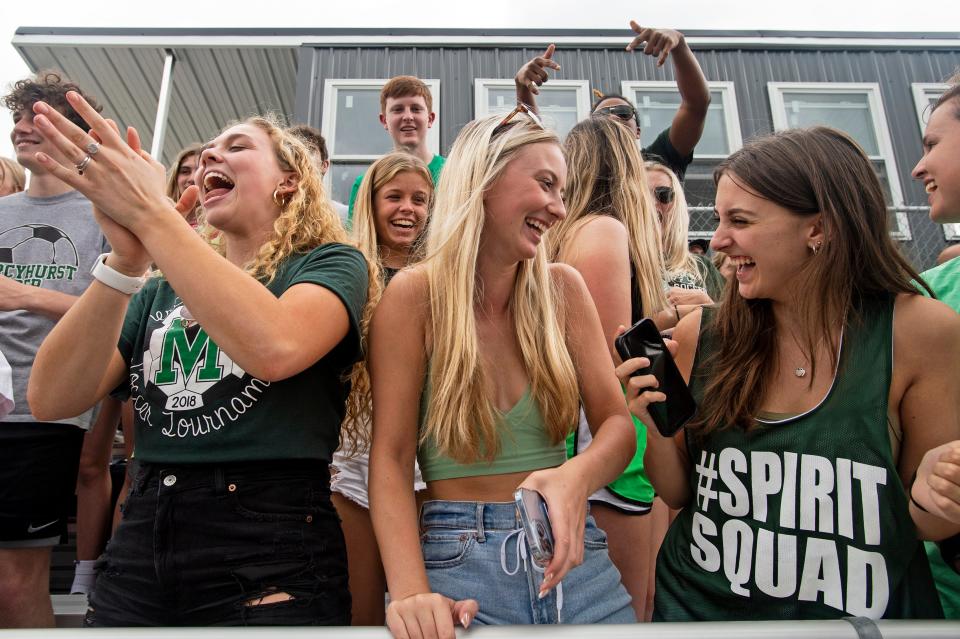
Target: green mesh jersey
x,y
804,518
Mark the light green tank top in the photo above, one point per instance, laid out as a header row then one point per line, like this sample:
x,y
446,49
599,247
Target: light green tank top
x,y
524,445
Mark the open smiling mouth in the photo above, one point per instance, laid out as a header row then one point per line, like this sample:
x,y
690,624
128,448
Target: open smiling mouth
x,y
215,185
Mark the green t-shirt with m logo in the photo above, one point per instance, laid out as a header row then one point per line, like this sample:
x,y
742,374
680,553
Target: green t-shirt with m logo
x,y
193,404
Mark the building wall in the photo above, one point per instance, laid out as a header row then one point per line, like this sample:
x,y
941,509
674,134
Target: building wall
x,y
748,69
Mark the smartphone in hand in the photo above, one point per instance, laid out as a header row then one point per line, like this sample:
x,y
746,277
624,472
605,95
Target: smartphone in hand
x,y
644,340
536,525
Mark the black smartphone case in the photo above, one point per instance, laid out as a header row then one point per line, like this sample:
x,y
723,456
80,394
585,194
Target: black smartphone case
x,y
644,340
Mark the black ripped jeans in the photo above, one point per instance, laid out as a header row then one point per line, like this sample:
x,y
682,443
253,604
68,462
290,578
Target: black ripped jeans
x,y
202,545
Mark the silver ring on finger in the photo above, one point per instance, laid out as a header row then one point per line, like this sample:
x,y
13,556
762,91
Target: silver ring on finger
x,y
92,149
82,164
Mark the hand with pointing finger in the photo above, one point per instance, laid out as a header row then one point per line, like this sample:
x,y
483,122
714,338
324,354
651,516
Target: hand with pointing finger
x,y
533,74
657,42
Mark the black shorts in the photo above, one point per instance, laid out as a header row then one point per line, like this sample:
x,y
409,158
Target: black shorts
x,y
38,481
198,543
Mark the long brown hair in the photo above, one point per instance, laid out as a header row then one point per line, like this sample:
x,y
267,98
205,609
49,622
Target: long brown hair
x,y
807,171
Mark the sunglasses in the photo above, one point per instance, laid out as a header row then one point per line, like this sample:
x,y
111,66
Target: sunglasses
x,y
527,110
664,194
623,111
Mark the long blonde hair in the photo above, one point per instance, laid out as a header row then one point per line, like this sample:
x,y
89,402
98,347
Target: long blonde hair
x,y
306,220
364,235
461,418
607,177
364,230
677,257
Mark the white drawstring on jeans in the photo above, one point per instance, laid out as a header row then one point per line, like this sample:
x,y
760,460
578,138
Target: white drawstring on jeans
x,y
521,554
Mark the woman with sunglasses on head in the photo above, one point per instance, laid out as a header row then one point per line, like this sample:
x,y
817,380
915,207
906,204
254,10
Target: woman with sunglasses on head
x,y
822,382
237,377
389,216
612,237
482,384
692,278
674,145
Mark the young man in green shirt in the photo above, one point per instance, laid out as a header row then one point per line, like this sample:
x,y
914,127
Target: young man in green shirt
x,y
406,113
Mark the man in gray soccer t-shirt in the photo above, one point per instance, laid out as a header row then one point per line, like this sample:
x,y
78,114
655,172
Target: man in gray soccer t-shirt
x,y
48,241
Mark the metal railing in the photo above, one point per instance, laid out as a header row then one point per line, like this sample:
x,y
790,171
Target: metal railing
x,y
69,611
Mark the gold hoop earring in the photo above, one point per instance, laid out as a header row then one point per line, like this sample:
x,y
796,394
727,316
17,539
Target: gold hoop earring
x,y
278,199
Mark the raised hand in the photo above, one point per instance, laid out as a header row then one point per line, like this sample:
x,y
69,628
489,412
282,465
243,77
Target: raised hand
x,y
658,42
123,182
533,74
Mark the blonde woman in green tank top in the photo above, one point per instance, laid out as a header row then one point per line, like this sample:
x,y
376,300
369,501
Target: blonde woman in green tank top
x,y
795,503
492,348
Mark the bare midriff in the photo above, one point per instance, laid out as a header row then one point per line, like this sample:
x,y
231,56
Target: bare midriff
x,y
477,488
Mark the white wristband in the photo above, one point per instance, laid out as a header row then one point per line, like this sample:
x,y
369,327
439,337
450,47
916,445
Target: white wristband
x,y
115,279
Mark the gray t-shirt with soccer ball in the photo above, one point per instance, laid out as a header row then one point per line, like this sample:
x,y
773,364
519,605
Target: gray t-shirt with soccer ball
x,y
49,242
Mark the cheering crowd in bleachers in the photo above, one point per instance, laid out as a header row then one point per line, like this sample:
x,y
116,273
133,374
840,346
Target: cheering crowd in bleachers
x,y
327,405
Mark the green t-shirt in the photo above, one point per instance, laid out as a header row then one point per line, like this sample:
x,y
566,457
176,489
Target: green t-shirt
x,y
193,404
945,282
434,167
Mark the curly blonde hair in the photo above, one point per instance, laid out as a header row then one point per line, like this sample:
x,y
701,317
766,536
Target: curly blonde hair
x,y
306,220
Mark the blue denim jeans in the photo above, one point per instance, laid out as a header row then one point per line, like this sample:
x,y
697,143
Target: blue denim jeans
x,y
197,545
475,550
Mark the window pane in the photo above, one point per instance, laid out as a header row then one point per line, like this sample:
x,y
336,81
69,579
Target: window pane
x,y
342,177
557,105
848,112
932,97
657,109
358,128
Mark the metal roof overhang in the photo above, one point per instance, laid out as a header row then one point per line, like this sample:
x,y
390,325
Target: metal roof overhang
x,y
178,86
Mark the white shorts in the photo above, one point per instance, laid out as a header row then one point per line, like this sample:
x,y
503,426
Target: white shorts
x,y
350,477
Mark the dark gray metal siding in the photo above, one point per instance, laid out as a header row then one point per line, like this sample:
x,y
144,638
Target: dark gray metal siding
x,y
750,70
210,86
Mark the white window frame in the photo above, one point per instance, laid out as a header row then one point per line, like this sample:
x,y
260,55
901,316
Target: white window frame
x,y
328,125
728,95
879,117
922,92
482,86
